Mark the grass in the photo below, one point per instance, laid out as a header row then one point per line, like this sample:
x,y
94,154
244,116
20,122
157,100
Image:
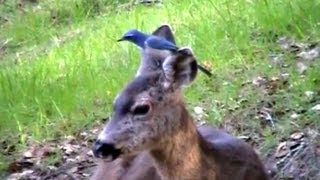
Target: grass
x,y
62,66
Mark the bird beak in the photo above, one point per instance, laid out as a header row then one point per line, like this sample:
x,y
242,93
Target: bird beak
x,y
121,39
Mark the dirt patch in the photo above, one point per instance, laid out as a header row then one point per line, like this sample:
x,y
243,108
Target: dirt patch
x,y
66,158
296,159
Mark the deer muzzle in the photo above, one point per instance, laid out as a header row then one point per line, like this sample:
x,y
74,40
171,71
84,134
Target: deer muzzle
x,y
105,150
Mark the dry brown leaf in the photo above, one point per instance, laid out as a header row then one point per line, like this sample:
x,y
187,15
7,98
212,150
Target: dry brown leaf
x,y
282,150
297,135
259,81
208,65
17,166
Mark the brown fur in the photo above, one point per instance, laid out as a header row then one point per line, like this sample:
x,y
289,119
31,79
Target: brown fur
x,y
165,143
139,167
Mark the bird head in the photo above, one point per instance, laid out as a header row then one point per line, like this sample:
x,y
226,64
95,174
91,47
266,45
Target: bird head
x,y
135,37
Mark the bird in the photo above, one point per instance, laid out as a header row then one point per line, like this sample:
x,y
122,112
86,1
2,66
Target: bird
x,y
157,47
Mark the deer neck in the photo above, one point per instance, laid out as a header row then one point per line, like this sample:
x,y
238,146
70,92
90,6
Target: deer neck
x,y
179,156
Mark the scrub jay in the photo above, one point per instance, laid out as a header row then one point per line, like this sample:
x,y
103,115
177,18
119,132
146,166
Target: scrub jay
x,y
154,46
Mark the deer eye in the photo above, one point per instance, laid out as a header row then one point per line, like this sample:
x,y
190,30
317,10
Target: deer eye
x,y
141,109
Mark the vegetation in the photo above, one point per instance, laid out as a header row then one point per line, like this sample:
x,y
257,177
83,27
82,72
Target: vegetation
x,y
61,67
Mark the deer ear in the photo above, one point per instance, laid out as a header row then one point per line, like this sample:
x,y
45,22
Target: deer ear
x,y
179,69
149,61
165,31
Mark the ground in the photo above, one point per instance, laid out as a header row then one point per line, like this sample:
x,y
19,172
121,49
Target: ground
x,y
61,67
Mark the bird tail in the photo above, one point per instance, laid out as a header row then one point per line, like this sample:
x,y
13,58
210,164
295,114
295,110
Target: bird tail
x,y
205,70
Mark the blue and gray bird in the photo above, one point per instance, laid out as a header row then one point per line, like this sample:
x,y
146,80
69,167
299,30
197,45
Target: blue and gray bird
x,y
155,47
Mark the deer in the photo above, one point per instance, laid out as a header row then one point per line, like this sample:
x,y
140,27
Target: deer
x,y
152,136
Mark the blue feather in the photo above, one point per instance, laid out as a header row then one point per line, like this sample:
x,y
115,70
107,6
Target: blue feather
x,y
160,43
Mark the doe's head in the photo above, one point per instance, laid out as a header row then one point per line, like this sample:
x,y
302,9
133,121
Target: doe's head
x,y
148,110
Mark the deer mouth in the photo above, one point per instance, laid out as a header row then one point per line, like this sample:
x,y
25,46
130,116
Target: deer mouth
x,y
106,151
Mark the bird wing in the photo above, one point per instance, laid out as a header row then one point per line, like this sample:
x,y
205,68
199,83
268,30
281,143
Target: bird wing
x,y
160,43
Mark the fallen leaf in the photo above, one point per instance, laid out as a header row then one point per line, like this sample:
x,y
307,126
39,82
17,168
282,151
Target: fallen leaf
x,y
297,135
285,43
85,174
259,81
316,107
198,110
73,170
294,116
17,166
70,139
28,154
309,94
84,134
90,153
21,175
302,68
71,160
208,65
282,150
285,76
68,149
245,138
310,55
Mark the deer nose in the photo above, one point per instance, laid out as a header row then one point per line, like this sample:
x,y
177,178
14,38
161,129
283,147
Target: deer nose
x,y
105,150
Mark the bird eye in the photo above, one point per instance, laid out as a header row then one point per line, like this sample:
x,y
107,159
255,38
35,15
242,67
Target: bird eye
x,y
141,109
